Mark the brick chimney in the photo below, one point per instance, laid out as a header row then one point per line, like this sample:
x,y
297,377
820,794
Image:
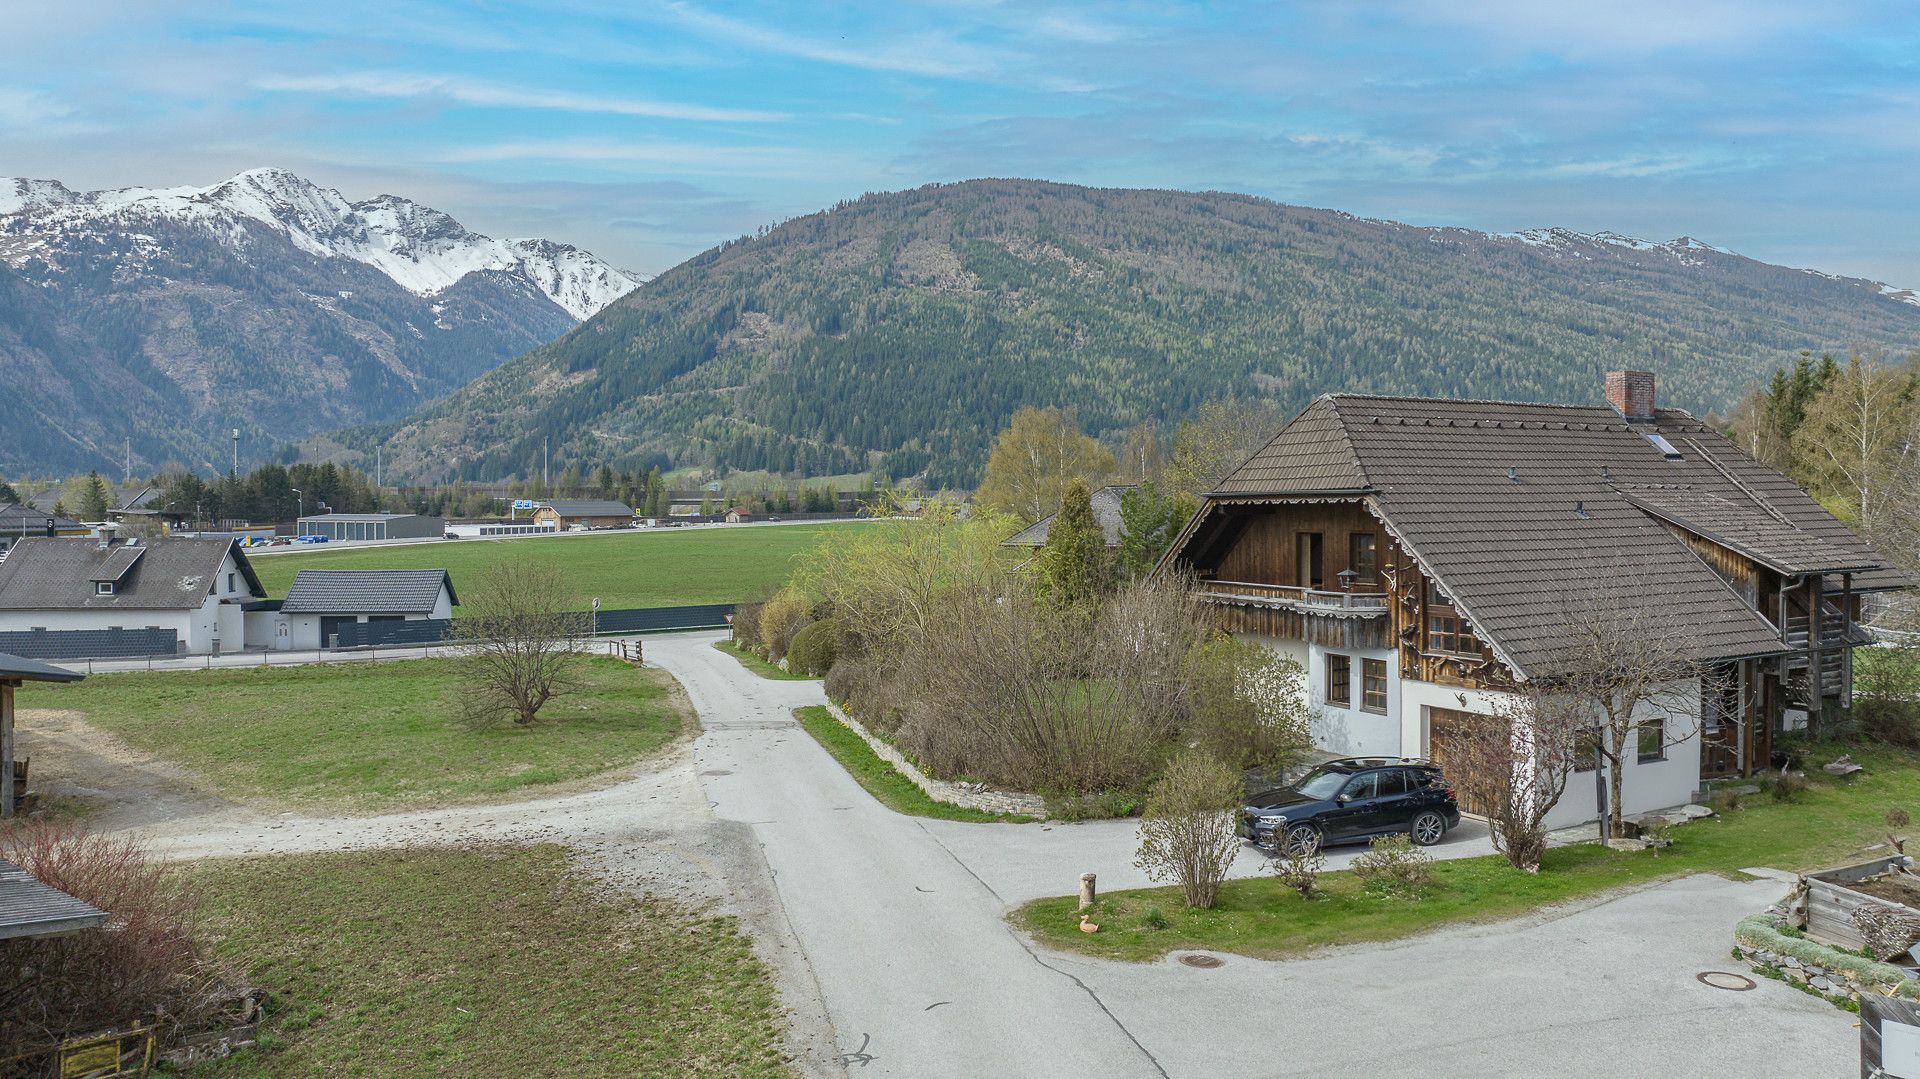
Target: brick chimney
x,y
1631,394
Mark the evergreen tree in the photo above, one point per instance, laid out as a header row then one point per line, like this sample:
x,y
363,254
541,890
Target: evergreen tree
x,y
1148,522
1075,566
95,503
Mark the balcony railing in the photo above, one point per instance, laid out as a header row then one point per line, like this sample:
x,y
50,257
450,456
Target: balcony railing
x,y
1293,595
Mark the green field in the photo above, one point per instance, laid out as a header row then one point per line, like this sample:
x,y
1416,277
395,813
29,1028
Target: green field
x,y
647,568
371,737
1828,823
486,961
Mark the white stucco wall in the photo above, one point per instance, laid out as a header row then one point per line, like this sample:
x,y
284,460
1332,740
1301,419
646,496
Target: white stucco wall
x,y
178,621
1406,727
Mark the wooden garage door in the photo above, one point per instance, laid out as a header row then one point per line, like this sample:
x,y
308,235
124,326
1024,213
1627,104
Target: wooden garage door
x,y
1442,725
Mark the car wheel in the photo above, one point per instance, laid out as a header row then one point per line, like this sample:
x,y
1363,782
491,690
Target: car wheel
x,y
1427,828
1300,839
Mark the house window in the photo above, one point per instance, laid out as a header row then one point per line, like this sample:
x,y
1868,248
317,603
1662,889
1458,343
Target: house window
x,y
103,588
1652,735
1365,560
1586,749
1339,680
1446,630
230,578
1373,685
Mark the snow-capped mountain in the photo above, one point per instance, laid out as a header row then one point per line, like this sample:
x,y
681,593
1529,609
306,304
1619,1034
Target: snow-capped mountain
x,y
424,250
167,316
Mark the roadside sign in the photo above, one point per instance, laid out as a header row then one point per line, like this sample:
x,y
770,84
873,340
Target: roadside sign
x,y
596,603
523,503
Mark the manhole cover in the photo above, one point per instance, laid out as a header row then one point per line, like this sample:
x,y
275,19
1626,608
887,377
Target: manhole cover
x,y
1204,962
1720,979
716,772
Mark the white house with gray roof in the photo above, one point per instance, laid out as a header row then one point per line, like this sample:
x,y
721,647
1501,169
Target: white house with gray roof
x,y
322,600
192,588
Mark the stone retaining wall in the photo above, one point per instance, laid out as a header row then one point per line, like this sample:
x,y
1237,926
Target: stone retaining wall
x,y
971,795
1825,969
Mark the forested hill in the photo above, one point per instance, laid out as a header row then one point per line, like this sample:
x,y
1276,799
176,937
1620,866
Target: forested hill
x,y
902,330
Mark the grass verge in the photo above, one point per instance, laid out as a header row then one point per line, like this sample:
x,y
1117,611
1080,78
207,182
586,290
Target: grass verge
x,y
645,568
1827,823
883,780
372,737
481,961
760,666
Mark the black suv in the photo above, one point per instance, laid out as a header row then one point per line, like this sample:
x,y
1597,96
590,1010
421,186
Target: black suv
x,y
1355,798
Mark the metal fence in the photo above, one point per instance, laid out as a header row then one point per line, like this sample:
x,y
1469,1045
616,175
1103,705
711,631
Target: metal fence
x,y
90,643
427,631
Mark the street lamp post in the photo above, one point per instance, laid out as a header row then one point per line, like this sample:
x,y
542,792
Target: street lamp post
x,y
300,502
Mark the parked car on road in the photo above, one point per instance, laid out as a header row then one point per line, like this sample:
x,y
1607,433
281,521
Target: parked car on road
x,y
1357,798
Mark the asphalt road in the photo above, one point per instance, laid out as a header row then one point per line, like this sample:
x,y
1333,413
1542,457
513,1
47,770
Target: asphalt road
x,y
902,925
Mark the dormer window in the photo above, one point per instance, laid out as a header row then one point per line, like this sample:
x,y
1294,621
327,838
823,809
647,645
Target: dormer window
x,y
103,588
1447,631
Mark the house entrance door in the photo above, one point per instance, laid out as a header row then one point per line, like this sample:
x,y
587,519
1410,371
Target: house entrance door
x,y
1311,560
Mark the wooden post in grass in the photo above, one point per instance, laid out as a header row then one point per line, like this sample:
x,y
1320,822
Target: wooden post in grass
x,y
1086,890
6,749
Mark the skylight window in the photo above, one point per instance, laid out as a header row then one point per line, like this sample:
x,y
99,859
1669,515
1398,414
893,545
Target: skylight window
x,y
1660,443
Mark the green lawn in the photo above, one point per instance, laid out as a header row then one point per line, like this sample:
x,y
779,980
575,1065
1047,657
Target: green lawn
x,y
484,961
647,568
883,780
1830,822
370,736
760,666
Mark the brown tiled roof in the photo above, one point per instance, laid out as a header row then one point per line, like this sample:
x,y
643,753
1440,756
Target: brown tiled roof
x,y
1312,453
1577,505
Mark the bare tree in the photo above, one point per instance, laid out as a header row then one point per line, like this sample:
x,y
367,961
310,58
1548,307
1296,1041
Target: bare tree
x,y
1513,764
1187,832
519,641
1631,667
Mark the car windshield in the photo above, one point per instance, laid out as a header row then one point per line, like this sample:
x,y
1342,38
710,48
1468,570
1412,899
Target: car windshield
x,y
1321,783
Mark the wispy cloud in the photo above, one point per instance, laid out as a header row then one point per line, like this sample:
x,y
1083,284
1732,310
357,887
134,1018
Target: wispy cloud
x,y
687,157
930,53
29,113
469,91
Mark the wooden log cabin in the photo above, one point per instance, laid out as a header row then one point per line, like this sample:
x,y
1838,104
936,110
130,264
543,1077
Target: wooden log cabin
x,y
1416,556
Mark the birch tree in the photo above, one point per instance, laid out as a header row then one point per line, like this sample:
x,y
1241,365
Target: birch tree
x,y
1035,459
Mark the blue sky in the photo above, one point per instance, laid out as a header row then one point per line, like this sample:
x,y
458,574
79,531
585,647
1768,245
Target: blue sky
x,y
647,132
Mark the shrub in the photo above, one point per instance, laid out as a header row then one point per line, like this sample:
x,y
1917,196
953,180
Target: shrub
x,y
1187,833
780,618
1393,866
1247,704
1155,919
146,966
1299,869
746,626
814,648
1787,787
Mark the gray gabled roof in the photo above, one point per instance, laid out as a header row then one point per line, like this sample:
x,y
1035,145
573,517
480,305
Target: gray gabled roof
x,y
174,573
29,908
589,507
1106,512
1589,498
367,591
15,520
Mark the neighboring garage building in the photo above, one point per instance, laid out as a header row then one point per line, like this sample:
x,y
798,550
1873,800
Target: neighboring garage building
x,y
565,513
65,598
351,527
321,600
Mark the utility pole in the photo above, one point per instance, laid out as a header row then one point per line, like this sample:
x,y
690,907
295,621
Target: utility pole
x,y
376,465
126,477
236,451
546,484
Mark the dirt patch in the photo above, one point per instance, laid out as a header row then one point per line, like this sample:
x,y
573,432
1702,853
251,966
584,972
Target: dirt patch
x,y
74,763
1899,888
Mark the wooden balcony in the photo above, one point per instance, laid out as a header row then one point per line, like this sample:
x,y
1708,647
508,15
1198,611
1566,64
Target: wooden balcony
x,y
1311,599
